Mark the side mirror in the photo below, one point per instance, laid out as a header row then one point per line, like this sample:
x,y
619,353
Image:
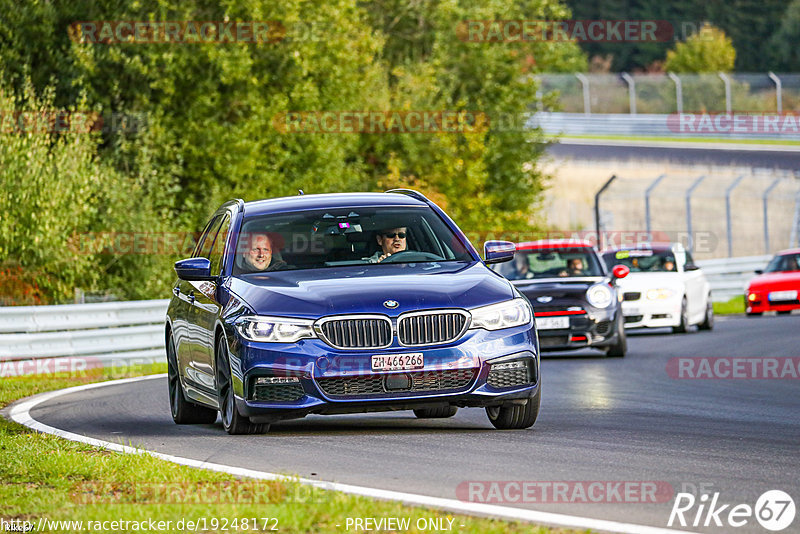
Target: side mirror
x,y
620,271
759,271
194,269
498,251
690,267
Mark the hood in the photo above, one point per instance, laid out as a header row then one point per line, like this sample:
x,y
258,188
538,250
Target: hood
x,y
787,280
313,293
645,281
555,288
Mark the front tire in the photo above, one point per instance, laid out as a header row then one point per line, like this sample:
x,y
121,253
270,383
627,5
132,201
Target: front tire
x,y
515,417
233,422
619,349
708,321
684,324
183,411
441,412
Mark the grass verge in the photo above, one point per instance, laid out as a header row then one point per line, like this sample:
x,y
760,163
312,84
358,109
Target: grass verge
x,y
45,478
735,305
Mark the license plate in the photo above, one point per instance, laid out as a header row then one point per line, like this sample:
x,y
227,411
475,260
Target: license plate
x,y
630,311
552,323
395,362
782,295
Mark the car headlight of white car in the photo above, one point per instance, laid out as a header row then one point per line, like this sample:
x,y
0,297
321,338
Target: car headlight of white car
x,y
275,329
660,293
599,296
515,312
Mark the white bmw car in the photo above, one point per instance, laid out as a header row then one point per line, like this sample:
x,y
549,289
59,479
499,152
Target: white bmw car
x,y
665,288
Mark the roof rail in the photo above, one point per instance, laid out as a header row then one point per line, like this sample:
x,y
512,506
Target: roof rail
x,y
409,192
238,201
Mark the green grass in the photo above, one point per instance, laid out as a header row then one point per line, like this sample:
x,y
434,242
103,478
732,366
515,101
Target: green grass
x,y
46,476
686,139
735,305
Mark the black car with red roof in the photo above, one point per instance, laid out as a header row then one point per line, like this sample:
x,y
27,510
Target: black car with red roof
x,y
574,296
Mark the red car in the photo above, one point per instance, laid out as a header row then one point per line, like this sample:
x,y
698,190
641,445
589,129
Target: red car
x,y
777,287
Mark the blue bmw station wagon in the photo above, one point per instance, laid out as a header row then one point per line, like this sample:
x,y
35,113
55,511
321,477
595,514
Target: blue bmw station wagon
x,y
346,303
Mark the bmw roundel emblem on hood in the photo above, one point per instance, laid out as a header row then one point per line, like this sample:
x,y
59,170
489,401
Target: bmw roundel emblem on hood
x,y
544,299
391,304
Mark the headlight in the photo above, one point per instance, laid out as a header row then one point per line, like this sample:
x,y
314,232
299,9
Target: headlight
x,y
275,329
660,293
515,312
599,296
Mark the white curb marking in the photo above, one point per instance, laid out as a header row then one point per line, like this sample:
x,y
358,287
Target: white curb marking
x,y
20,413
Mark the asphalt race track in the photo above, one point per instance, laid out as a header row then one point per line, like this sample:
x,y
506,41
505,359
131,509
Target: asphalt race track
x,y
788,159
601,420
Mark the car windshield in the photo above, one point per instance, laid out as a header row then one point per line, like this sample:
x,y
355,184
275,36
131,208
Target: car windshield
x,y
317,239
551,263
642,260
784,263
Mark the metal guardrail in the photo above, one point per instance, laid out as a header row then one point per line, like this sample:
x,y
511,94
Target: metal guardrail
x,y
729,277
76,337
640,125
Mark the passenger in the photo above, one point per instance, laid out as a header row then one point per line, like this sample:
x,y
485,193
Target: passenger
x,y
523,269
259,258
391,241
669,265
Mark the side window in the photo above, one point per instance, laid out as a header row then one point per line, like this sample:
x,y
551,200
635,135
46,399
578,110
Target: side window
x,y
203,237
208,240
689,259
217,249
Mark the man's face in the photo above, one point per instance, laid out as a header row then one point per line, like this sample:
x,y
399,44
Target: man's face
x,y
576,264
391,241
260,254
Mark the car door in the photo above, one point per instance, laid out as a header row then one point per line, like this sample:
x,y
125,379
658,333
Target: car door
x,y
181,322
694,287
207,308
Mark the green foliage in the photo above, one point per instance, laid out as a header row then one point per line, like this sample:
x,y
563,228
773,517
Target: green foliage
x,y
211,132
785,53
709,50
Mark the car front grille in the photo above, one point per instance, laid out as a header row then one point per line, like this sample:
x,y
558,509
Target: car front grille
x,y
278,392
358,332
429,328
552,341
631,295
419,381
508,378
633,318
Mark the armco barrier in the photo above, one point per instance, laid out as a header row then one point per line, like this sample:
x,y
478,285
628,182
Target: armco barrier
x,y
44,338
729,276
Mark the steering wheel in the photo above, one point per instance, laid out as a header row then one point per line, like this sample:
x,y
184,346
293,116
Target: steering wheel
x,y
412,255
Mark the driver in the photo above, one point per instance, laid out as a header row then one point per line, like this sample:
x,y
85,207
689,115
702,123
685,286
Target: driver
x,y
574,268
259,257
391,241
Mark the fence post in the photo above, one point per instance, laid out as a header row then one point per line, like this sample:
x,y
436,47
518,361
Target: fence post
x,y
727,81
631,91
764,201
587,102
778,90
647,202
597,211
678,90
728,192
689,192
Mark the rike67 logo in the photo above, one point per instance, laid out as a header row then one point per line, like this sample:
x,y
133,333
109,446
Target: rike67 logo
x,y
774,510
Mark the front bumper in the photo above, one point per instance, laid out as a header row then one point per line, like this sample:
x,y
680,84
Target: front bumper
x,y
759,302
645,313
325,380
587,328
